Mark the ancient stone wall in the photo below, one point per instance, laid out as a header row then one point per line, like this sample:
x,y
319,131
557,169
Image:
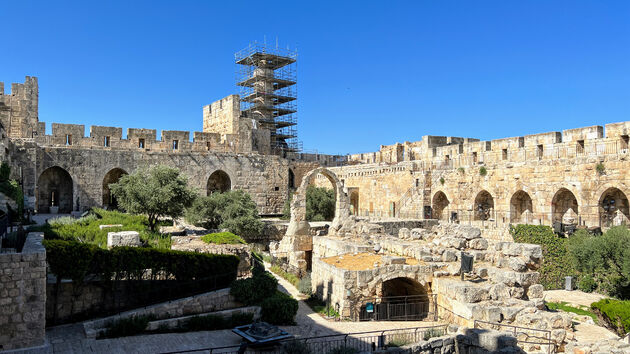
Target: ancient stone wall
x,y
23,295
19,109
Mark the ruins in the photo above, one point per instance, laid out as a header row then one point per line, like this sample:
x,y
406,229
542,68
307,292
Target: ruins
x,y
406,216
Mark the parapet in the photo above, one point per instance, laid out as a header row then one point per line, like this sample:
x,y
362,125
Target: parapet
x,y
101,132
62,130
586,133
618,130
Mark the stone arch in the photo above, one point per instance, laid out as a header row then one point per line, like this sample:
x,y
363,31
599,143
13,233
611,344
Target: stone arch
x,y
561,202
483,207
613,201
402,286
298,224
219,181
521,207
55,189
109,201
439,205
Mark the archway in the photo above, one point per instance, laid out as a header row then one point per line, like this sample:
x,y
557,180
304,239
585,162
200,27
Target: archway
x,y
298,224
54,189
354,201
521,207
484,206
613,203
403,299
562,201
218,182
439,205
109,201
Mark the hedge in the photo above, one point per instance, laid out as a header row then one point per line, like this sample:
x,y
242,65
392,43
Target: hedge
x,y
279,309
221,238
556,263
74,260
615,312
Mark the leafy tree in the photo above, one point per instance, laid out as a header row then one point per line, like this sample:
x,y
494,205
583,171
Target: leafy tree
x,y
157,192
603,261
233,210
320,204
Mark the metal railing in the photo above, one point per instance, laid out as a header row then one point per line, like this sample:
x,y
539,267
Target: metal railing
x,y
395,308
361,341
523,335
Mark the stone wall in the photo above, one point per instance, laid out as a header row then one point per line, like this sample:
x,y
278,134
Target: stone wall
x,y
23,295
195,244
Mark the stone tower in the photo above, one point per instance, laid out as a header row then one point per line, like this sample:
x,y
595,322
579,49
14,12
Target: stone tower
x,y
19,109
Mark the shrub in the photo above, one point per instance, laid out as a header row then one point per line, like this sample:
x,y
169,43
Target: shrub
x,y
319,306
232,210
71,259
290,277
482,171
279,309
252,291
615,312
556,263
223,238
603,261
320,204
432,333
125,327
305,286
461,170
442,180
600,168
11,188
587,284
156,192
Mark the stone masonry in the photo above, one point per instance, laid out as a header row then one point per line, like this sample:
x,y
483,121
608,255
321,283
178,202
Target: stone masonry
x,y
23,295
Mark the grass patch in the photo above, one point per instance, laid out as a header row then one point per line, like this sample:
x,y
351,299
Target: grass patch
x,y
222,238
319,306
87,229
563,306
291,278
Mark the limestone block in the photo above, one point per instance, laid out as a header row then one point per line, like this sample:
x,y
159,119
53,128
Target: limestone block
x,y
103,227
418,234
517,264
404,233
535,291
393,260
449,256
478,244
123,238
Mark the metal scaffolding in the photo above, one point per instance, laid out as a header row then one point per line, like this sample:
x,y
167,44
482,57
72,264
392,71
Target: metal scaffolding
x,y
267,78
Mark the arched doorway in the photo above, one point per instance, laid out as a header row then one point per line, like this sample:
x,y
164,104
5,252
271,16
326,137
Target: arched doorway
x,y
402,299
613,207
521,208
354,201
483,209
109,201
562,201
439,205
218,182
54,189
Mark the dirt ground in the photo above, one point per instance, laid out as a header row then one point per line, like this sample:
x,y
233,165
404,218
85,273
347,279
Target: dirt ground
x,y
361,261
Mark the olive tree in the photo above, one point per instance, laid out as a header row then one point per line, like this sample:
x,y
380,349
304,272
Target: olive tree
x,y
156,192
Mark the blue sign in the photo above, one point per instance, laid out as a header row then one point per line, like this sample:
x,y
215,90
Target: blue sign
x,y
369,307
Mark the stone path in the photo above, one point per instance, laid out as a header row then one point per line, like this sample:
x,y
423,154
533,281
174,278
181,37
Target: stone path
x,y
575,297
71,339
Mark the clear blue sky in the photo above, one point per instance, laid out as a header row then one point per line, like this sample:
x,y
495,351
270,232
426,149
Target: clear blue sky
x,y
369,72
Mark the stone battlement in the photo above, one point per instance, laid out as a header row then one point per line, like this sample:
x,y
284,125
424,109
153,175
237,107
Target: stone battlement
x,y
454,152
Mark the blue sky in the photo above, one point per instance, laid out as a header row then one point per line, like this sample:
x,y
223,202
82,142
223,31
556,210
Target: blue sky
x,y
369,72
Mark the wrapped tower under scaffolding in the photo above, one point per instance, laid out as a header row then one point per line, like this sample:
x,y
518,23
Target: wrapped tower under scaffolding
x,y
267,78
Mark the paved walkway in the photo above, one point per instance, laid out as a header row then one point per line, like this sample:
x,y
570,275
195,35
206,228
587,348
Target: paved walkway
x,y
71,338
575,297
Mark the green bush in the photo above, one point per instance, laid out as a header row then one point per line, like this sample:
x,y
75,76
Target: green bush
x,y
615,312
556,262
603,261
223,238
125,327
586,283
74,260
279,309
11,188
252,291
232,210
290,277
482,171
319,306
305,286
320,204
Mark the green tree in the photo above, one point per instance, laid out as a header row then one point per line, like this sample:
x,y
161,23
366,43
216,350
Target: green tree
x,y
158,191
233,210
320,204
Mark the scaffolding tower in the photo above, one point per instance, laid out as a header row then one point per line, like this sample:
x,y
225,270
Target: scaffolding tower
x,y
267,78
